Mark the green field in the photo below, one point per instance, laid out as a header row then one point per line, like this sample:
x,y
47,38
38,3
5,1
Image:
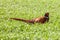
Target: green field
x,y
29,9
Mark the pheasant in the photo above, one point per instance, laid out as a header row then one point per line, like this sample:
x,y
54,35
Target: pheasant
x,y
42,19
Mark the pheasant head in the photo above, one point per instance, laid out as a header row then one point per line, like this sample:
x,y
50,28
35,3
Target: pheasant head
x,y
47,16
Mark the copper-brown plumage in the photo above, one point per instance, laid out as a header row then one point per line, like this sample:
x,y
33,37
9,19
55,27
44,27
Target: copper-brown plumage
x,y
42,19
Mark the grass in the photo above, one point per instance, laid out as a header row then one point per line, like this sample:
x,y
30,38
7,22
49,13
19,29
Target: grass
x,y
28,9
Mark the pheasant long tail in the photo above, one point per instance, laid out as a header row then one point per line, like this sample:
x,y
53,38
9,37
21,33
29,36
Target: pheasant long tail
x,y
19,19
